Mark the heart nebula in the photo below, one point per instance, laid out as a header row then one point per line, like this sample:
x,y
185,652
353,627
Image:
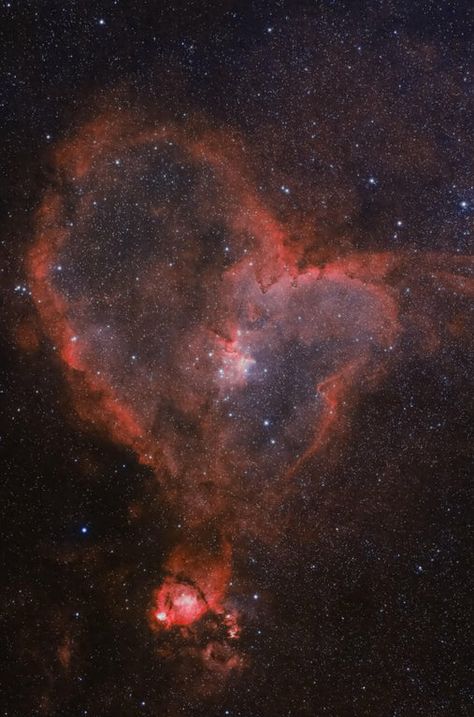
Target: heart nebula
x,y
210,334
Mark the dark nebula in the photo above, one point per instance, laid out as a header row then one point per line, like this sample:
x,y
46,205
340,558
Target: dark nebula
x,y
237,359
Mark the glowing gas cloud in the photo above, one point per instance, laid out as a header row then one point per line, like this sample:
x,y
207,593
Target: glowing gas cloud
x,y
212,335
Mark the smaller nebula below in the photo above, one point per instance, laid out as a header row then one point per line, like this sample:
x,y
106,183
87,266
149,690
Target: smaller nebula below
x,y
196,585
179,604
216,337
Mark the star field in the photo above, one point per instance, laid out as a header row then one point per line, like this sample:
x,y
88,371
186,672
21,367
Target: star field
x,y
236,362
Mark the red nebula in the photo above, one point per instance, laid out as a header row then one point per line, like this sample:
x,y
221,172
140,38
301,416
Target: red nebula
x,y
178,603
227,348
196,583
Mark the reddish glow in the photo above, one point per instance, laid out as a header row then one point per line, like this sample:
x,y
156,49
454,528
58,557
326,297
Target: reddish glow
x,y
281,306
178,603
196,584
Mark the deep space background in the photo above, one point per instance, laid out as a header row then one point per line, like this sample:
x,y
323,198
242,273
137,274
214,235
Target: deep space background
x,y
360,119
